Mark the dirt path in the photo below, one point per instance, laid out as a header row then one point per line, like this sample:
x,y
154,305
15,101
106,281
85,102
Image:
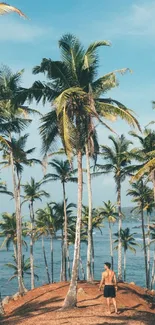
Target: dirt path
x,y
41,307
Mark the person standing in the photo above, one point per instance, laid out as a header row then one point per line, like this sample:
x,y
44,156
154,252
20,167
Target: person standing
x,y
110,286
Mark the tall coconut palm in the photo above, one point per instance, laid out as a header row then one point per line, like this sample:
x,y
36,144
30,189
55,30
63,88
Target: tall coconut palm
x,y
118,162
13,120
128,241
32,193
63,173
109,212
9,231
59,212
6,8
149,208
15,156
140,193
97,223
49,220
42,231
152,233
145,154
74,103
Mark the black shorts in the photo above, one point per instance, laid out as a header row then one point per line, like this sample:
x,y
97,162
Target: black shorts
x,y
109,291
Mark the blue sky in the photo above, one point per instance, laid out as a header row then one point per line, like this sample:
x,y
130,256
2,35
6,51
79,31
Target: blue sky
x,y
129,25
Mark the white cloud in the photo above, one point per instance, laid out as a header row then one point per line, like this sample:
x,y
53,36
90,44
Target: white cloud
x,y
137,21
21,30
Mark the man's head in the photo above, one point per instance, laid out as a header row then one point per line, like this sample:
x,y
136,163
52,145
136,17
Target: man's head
x,y
107,266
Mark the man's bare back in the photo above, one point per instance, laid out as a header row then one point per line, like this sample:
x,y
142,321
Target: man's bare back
x,y
109,277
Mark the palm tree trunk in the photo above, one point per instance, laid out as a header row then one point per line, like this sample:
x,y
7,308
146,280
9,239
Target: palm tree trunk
x,y
153,269
71,298
31,246
62,274
18,224
89,248
68,264
111,246
124,265
1,306
65,235
45,259
148,252
82,269
153,180
52,272
15,250
144,246
119,231
93,257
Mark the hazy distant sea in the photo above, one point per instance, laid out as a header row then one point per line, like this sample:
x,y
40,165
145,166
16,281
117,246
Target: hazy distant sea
x,y
135,262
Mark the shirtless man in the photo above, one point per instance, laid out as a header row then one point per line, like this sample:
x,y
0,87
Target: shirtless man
x,y
110,286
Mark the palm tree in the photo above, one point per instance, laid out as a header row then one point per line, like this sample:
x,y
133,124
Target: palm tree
x,y
15,155
63,173
59,212
48,219
25,268
119,163
13,120
152,233
149,207
128,241
33,193
42,231
145,154
97,223
9,231
140,193
109,212
5,8
69,91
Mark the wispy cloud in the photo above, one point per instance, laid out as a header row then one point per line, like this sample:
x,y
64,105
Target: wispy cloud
x,y
137,21
13,30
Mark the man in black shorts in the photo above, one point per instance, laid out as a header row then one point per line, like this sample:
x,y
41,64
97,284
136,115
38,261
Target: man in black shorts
x,y
110,286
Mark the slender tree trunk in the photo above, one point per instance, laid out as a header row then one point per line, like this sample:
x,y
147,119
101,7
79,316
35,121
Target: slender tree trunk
x,y
153,269
153,180
65,234
45,259
82,269
1,306
119,231
31,246
15,250
16,188
52,272
71,298
124,265
68,263
111,246
144,246
89,246
93,257
62,274
148,252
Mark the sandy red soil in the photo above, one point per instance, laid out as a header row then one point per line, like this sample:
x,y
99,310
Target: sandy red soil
x,y
41,307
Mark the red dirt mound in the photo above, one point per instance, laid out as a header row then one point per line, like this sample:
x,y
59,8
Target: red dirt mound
x,y
41,306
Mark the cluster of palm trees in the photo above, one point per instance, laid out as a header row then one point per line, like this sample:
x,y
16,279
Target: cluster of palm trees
x,y
78,106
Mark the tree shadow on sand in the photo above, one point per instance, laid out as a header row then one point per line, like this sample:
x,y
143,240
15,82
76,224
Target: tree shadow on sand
x,y
30,310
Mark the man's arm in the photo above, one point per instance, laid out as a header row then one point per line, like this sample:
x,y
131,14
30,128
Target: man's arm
x,y
115,281
102,281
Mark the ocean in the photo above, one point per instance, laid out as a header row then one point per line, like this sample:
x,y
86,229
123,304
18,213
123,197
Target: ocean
x,y
135,262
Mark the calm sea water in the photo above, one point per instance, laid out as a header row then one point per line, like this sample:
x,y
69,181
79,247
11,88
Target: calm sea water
x,y
135,262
